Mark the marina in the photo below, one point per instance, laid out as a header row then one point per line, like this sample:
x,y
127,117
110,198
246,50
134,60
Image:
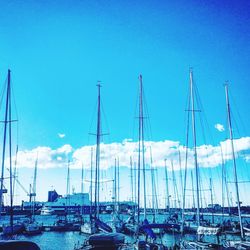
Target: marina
x,y
124,125
85,222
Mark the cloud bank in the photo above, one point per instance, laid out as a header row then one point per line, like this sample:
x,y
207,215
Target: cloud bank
x,y
208,155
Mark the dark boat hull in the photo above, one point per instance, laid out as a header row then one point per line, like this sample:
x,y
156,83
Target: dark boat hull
x,y
18,245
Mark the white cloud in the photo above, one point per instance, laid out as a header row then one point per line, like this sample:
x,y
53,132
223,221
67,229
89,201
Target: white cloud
x,y
208,155
47,157
61,135
219,127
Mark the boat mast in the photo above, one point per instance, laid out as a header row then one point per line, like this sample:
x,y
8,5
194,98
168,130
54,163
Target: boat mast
x,y
224,185
15,171
115,189
192,182
68,187
135,178
211,197
153,188
181,178
10,155
141,158
131,179
234,161
194,145
118,184
97,163
176,195
167,190
4,139
91,181
34,188
82,180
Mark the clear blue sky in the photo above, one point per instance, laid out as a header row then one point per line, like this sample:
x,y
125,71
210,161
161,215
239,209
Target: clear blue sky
x,y
57,50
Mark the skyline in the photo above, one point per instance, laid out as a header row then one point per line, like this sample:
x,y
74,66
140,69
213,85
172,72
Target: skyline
x,y
58,51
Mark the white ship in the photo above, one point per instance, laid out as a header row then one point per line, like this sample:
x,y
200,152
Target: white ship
x,y
73,202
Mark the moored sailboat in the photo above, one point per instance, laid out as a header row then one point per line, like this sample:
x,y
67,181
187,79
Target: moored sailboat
x,y
242,243
32,227
13,228
106,239
200,229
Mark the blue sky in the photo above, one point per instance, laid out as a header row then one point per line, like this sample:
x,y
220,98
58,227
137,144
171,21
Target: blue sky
x,y
58,50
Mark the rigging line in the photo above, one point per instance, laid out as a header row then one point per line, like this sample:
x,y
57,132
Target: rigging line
x,y
242,174
15,170
207,127
14,99
234,161
237,112
92,121
204,125
3,91
146,112
154,190
105,121
135,115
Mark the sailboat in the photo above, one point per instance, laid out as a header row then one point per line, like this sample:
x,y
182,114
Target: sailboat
x,y
242,243
13,228
63,223
101,236
95,224
117,223
32,227
145,227
201,229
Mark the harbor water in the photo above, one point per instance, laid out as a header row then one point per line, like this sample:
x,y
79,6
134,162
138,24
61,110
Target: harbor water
x,y
51,240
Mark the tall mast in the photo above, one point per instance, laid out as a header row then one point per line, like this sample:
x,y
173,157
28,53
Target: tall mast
x,y
91,180
152,186
118,182
176,195
97,162
15,172
82,179
33,195
211,196
35,177
192,182
131,179
195,150
135,178
167,190
154,190
10,155
115,188
224,185
4,139
234,161
181,178
141,158
68,185
184,189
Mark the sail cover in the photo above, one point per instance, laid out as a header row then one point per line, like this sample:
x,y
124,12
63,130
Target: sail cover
x,y
148,230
